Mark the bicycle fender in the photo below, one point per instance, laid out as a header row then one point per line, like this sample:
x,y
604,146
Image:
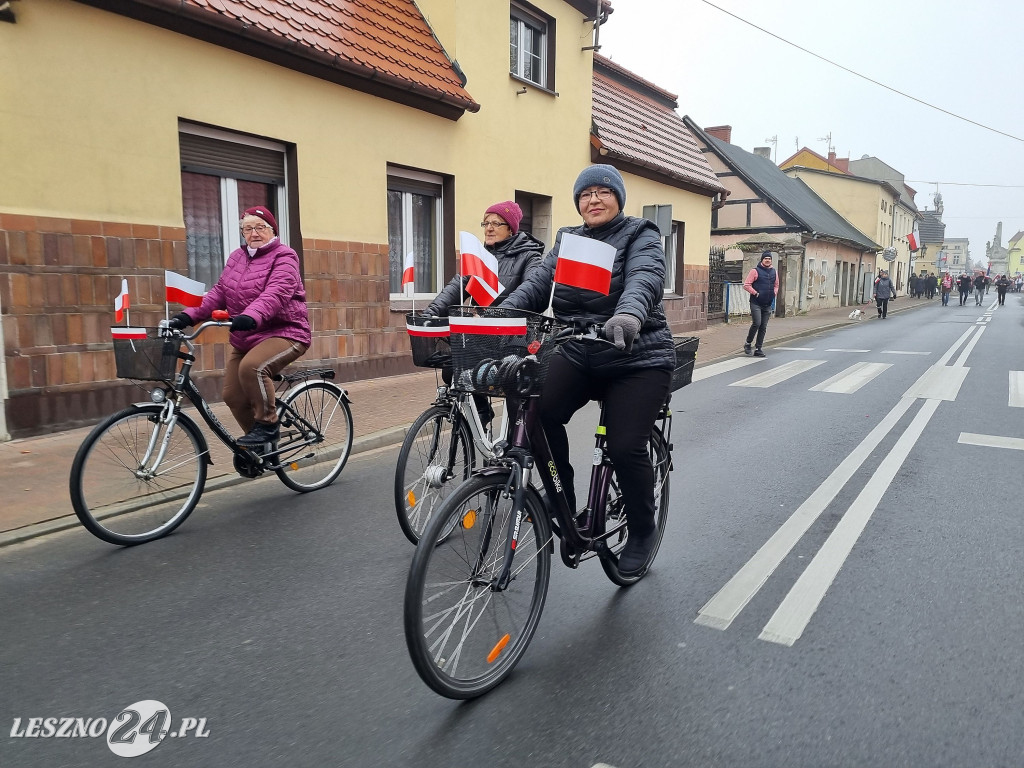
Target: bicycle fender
x,y
150,406
343,394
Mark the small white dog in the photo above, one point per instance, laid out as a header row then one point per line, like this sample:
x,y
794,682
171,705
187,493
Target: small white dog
x,y
857,314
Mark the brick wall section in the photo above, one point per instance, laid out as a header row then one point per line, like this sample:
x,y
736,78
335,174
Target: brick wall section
x,y
687,310
58,281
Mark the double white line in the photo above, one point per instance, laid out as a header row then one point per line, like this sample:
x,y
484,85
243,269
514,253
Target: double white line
x,y
938,383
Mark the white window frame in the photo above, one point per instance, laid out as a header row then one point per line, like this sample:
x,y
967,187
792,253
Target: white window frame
x,y
838,280
671,243
810,278
437,257
523,19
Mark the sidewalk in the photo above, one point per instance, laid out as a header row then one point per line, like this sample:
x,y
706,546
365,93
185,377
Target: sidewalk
x,y
34,471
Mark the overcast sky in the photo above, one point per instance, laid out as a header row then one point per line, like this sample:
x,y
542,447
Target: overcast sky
x,y
963,57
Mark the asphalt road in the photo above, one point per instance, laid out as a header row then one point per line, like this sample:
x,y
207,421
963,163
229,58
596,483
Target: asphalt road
x,y
839,586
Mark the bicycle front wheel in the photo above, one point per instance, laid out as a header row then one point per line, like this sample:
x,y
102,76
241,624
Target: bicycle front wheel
x,y
615,513
436,455
133,481
316,436
465,632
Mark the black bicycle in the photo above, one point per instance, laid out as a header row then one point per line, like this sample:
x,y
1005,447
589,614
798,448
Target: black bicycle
x,y
478,581
141,471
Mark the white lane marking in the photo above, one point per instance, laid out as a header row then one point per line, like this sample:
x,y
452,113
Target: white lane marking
x,y
940,382
1017,389
796,349
720,611
778,374
991,441
948,354
902,352
839,349
723,367
968,348
853,378
795,612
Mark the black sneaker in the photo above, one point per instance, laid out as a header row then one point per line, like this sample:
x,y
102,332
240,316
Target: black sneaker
x,y
758,353
746,349
260,434
635,555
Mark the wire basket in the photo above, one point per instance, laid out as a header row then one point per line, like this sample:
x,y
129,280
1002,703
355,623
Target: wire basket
x,y
686,356
503,353
153,358
428,337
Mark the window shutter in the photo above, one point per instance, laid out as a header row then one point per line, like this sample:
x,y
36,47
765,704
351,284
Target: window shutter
x,y
201,154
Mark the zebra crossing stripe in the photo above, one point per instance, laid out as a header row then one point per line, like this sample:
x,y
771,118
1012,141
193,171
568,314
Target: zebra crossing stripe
x,y
853,378
1017,389
778,374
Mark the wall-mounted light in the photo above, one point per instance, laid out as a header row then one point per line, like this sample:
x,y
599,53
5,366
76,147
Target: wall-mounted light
x,y
521,91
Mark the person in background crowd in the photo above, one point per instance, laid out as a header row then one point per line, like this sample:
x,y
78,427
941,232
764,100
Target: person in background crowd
x,y
1002,283
762,284
912,284
261,288
883,291
963,286
946,288
930,284
979,289
1019,283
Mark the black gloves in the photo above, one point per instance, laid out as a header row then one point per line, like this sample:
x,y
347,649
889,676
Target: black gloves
x,y
428,312
622,329
243,323
179,321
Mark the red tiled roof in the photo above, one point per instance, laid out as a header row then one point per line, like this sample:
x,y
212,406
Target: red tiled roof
x,y
385,42
635,122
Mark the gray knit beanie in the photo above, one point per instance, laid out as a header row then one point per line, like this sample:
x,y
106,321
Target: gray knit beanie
x,y
599,176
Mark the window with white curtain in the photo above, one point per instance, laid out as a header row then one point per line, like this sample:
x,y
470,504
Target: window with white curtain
x,y
415,224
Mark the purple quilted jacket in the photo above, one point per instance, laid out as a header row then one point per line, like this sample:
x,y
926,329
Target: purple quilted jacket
x,y
268,288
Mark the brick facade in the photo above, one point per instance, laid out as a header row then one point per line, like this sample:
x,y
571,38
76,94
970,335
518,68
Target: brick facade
x,y
688,310
58,280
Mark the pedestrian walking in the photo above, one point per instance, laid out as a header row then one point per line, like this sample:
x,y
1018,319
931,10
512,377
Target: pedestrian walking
x,y
883,291
947,288
930,283
762,284
963,286
1002,283
979,289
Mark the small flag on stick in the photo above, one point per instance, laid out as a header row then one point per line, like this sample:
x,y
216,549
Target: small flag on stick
x,y
183,290
480,268
121,303
585,263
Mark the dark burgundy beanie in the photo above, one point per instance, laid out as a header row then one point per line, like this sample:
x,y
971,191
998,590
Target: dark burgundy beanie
x,y
510,212
264,214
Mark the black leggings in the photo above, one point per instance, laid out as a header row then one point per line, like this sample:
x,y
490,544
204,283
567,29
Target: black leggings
x,y
632,401
759,316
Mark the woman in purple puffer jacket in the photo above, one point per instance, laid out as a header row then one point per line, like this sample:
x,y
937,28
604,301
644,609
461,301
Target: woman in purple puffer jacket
x,y
261,288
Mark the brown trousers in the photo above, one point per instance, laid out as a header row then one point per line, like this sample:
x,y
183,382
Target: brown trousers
x,y
248,389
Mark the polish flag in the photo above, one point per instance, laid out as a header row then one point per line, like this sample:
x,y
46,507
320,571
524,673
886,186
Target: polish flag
x,y
429,330
489,326
915,240
183,290
121,303
407,274
585,263
128,333
481,268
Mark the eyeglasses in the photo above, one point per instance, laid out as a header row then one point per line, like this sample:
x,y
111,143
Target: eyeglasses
x,y
260,228
600,194
486,224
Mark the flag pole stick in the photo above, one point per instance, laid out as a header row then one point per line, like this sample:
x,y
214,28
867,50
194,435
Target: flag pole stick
x,y
549,312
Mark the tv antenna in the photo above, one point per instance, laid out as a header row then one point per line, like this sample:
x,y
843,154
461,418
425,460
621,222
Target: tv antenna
x,y
827,138
774,141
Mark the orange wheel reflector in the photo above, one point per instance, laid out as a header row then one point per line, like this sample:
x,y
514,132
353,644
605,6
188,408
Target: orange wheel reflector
x,y
410,498
496,650
469,519
294,465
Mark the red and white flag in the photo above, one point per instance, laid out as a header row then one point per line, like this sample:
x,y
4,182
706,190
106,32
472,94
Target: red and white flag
x,y
480,268
183,290
429,330
121,303
585,263
914,239
128,333
408,272
489,326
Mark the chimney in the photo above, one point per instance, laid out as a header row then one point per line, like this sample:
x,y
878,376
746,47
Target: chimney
x,y
720,132
765,152
843,164
831,157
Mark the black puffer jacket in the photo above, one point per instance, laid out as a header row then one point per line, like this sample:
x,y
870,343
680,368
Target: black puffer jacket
x,y
638,280
516,255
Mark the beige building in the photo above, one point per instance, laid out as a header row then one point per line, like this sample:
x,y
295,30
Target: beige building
x,y
135,132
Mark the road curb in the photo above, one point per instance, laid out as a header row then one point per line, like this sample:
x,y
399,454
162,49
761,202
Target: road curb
x,y
382,439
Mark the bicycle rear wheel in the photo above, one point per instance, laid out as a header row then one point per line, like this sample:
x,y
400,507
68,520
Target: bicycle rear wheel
x,y
123,501
316,441
436,455
464,635
615,514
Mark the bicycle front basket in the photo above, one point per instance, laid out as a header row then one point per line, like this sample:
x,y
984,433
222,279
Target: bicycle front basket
x,y
686,356
428,337
139,353
501,353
